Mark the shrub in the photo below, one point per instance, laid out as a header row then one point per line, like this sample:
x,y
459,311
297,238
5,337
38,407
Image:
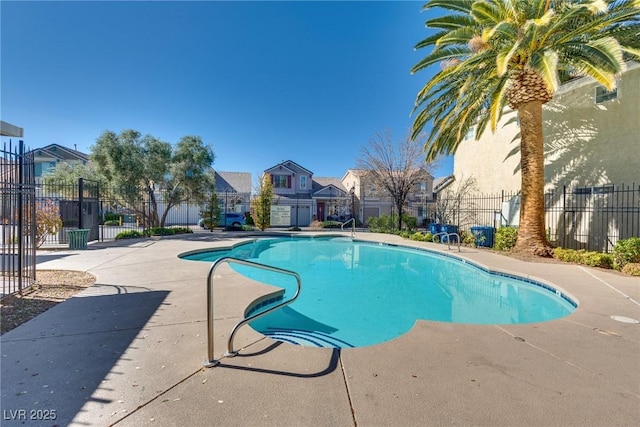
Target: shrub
x,y
417,236
632,269
409,223
129,234
112,222
597,259
626,251
380,224
567,255
47,221
592,259
505,238
331,224
467,238
428,237
159,231
181,230
110,216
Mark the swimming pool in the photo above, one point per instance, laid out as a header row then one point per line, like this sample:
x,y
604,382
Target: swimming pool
x,y
357,293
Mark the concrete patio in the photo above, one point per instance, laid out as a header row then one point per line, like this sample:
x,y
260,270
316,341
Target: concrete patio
x,y
129,351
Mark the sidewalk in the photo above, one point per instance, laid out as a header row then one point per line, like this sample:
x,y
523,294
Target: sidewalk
x,y
129,351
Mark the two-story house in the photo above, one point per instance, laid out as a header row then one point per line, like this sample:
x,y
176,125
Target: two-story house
x,y
301,199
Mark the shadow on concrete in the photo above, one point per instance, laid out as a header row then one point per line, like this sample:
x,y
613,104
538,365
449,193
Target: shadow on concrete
x,y
331,367
58,361
40,258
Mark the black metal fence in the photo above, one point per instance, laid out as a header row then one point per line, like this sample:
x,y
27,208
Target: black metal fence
x,y
590,218
17,219
106,213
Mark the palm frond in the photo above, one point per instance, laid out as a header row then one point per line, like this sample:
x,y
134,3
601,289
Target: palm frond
x,y
431,40
485,13
451,22
463,6
440,55
546,65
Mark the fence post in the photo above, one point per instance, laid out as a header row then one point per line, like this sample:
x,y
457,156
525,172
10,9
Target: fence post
x,y
80,201
20,210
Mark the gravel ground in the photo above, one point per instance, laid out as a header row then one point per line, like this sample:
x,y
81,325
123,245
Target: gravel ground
x,y
51,288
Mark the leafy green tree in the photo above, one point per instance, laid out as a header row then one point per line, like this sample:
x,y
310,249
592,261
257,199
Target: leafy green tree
x,y
261,203
211,211
495,53
144,167
70,173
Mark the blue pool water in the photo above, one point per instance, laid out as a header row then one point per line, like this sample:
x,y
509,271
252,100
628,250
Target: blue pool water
x,y
357,293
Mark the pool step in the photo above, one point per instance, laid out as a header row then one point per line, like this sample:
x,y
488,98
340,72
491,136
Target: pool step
x,y
305,338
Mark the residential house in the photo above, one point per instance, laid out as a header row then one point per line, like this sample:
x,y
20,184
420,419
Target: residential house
x,y
234,191
234,195
46,158
301,199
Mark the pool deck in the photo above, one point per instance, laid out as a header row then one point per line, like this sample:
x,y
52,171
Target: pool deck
x,y
129,351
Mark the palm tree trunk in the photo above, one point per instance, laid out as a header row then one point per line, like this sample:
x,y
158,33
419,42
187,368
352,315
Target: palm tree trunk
x,y
532,233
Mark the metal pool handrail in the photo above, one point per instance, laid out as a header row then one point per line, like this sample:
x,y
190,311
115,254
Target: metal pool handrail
x,y
444,233
353,227
211,361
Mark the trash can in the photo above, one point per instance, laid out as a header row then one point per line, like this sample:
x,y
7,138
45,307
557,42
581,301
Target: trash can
x,y
78,238
435,228
448,228
483,236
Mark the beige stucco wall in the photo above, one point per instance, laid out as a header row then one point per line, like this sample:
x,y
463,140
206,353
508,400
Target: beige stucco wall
x,y
488,159
586,144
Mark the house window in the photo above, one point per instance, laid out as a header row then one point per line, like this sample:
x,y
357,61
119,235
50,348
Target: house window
x,y
281,181
603,189
603,95
303,182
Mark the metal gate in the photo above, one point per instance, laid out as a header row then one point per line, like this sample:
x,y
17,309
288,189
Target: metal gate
x,y
17,219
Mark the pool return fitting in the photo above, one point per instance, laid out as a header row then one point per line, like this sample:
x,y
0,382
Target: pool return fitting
x,y
211,361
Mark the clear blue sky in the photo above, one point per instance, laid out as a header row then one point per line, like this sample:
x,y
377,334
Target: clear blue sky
x,y
260,82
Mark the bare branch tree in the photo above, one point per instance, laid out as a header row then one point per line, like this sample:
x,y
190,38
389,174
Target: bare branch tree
x,y
396,167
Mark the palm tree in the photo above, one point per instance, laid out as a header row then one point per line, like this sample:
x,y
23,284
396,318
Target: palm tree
x,y
495,53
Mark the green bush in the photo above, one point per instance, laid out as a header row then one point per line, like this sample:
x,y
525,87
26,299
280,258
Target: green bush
x,y
410,223
159,231
110,216
505,238
632,269
467,238
331,224
592,259
417,236
129,234
181,230
380,224
567,255
626,251
597,259
112,222
428,237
